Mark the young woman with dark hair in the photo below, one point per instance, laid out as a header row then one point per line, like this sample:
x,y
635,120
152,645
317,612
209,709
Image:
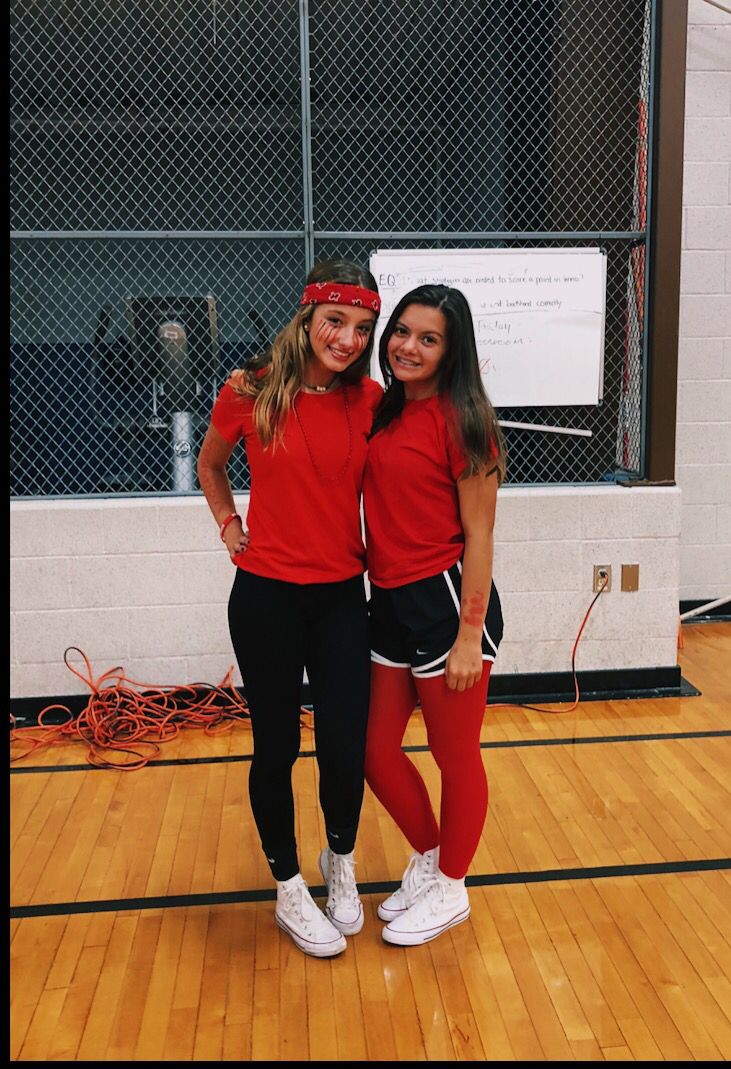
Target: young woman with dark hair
x,y
303,410
435,462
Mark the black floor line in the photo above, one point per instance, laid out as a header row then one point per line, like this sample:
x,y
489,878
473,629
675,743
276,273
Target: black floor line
x,y
500,745
597,872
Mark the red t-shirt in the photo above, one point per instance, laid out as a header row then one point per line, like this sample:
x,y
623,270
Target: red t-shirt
x,y
412,515
304,510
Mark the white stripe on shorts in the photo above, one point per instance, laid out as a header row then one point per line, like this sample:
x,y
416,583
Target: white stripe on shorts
x,y
378,658
452,591
430,664
484,627
440,672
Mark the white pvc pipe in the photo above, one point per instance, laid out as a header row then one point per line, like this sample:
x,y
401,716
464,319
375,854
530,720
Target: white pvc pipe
x,y
704,608
721,7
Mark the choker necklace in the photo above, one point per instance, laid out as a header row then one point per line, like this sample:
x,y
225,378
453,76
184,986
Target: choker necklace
x,y
320,389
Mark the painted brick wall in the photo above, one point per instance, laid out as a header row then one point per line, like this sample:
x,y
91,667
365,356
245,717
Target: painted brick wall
x,y
703,456
143,583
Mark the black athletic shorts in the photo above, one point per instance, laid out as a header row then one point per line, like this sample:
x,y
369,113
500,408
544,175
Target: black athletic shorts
x,y
415,625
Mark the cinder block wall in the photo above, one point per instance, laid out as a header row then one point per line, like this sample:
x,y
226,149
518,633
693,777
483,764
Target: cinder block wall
x,y
143,583
703,456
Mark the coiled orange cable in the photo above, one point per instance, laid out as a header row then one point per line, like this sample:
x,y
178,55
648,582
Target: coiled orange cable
x,y
121,712
116,715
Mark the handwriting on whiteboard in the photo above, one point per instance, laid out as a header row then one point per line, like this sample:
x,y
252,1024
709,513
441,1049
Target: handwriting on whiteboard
x,y
538,315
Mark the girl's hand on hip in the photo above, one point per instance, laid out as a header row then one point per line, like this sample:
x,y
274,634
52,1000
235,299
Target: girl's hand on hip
x,y
236,538
464,665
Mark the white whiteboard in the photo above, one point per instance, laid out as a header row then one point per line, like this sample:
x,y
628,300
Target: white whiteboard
x,y
538,314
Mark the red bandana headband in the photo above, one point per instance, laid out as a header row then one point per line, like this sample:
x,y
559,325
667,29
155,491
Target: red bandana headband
x,y
340,293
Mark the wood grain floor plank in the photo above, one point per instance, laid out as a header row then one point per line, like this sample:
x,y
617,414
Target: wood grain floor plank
x,y
614,934
321,1025
574,968
349,1022
31,957
130,1009
540,1007
153,1029
651,944
65,1037
634,967
481,994
97,1029
378,1026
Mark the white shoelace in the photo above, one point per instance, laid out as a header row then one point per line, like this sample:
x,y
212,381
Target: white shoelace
x,y
297,900
409,881
434,892
416,875
342,878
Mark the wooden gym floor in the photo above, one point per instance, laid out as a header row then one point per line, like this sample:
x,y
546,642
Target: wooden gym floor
x,y
141,908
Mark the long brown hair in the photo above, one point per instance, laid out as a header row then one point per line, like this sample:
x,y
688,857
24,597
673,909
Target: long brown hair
x,y
471,415
275,376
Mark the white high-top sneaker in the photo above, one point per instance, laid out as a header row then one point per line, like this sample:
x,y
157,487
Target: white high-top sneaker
x,y
441,903
420,869
343,907
298,916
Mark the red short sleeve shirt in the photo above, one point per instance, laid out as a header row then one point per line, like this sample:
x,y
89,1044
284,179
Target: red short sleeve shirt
x,y
410,497
304,517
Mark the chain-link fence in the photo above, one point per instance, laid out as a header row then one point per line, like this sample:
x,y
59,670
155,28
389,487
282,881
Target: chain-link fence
x,y
184,161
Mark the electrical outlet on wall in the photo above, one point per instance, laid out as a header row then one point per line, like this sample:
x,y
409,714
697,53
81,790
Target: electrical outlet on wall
x,y
602,578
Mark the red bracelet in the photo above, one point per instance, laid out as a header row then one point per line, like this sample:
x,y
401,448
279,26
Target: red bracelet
x,y
227,521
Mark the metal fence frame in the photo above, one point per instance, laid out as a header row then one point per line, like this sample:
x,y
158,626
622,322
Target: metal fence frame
x,y
313,239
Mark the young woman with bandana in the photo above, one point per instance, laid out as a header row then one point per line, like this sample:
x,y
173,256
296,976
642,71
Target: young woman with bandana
x,y
435,461
303,411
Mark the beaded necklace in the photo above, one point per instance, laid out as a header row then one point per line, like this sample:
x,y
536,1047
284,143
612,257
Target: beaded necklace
x,y
339,475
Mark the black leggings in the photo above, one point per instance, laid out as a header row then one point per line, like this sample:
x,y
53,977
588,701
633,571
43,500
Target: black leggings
x,y
277,630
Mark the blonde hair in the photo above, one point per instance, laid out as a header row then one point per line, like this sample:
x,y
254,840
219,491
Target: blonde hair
x,y
274,377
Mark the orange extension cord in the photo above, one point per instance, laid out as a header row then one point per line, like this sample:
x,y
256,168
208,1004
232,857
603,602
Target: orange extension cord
x,y
570,708
117,715
121,719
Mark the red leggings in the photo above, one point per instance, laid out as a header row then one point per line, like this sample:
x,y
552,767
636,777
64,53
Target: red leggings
x,y
453,720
